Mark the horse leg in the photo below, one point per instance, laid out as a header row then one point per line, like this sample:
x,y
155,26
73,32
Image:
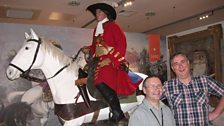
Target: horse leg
x,y
12,95
32,95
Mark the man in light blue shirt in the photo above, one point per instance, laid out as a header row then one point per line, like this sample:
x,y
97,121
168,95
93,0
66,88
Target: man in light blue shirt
x,y
152,111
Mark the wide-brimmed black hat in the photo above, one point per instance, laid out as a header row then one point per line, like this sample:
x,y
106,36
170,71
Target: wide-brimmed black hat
x,y
104,7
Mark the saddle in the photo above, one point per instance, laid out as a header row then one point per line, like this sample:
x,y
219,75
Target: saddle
x,y
72,111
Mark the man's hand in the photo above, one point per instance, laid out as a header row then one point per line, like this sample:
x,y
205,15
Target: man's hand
x,y
212,116
218,110
81,81
85,50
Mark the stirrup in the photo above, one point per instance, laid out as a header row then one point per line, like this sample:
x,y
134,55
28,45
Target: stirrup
x,y
113,118
110,114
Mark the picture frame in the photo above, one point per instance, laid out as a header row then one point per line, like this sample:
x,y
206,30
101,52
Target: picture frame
x,y
203,44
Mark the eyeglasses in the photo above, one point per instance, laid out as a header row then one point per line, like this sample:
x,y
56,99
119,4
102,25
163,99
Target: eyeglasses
x,y
154,86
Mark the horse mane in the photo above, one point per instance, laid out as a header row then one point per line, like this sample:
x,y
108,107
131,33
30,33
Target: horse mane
x,y
53,49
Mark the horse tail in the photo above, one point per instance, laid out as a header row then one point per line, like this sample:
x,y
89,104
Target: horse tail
x,y
16,114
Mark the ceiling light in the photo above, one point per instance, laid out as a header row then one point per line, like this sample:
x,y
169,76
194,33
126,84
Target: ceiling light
x,y
74,3
19,13
205,16
150,14
114,4
126,13
128,3
56,16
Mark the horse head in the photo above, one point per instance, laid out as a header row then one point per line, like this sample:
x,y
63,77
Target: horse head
x,y
28,57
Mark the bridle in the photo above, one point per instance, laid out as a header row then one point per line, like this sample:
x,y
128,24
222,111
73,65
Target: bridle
x,y
25,73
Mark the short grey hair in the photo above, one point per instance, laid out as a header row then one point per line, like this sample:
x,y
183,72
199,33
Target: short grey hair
x,y
176,54
150,76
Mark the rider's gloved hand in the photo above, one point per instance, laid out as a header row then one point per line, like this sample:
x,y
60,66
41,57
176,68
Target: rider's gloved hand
x,y
85,50
81,81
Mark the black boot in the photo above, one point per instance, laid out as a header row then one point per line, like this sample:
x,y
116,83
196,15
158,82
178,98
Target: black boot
x,y
111,97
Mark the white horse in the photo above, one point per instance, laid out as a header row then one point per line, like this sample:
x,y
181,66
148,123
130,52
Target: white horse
x,y
61,73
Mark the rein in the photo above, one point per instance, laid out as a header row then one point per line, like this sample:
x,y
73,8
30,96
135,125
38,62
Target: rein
x,y
25,74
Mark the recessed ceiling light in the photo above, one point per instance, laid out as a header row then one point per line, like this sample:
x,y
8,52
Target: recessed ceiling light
x,y
128,3
74,3
150,13
19,13
60,16
126,13
204,16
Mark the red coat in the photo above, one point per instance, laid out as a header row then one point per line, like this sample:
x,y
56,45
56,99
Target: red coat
x,y
113,75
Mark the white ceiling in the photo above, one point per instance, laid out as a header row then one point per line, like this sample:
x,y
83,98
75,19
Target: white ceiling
x,y
180,14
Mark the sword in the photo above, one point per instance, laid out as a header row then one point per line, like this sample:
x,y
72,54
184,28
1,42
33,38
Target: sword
x,y
82,88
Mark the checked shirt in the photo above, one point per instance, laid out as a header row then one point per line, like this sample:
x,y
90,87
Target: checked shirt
x,y
189,103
